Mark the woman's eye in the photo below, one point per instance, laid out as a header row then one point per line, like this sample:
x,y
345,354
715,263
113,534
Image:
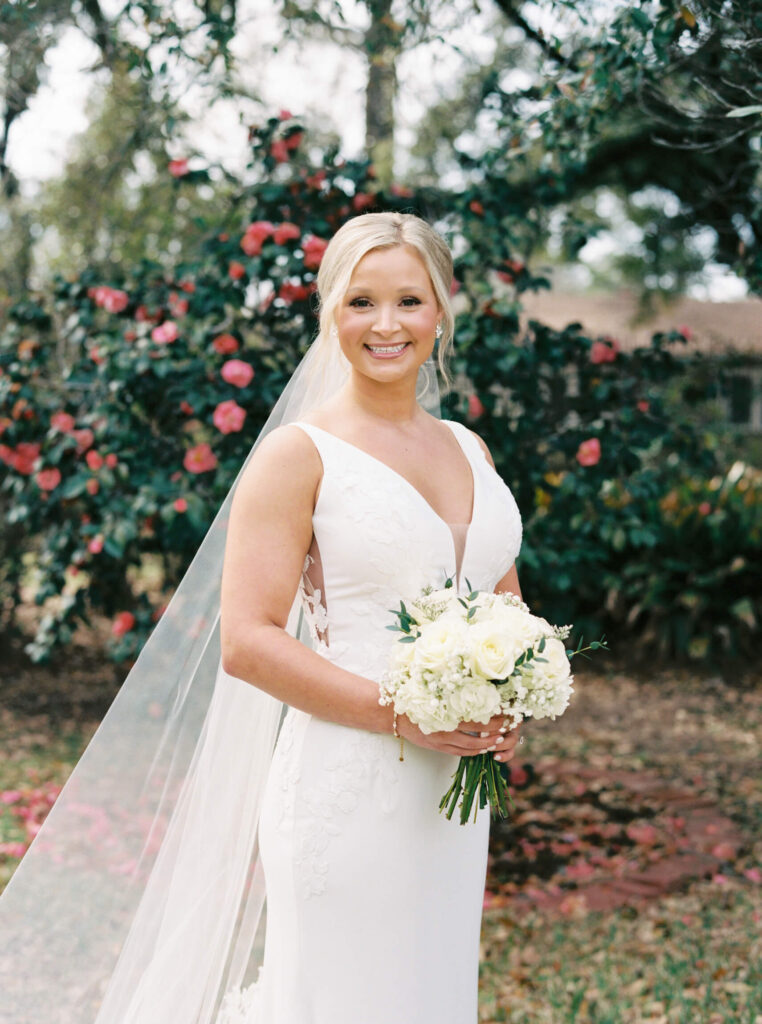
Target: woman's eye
x,y
411,300
359,303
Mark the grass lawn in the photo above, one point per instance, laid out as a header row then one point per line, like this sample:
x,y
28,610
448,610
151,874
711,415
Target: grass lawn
x,y
692,955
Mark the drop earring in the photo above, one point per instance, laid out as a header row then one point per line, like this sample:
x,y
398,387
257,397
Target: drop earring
x,y
439,331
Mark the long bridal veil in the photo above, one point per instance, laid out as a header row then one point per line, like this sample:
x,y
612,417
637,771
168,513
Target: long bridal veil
x,y
141,900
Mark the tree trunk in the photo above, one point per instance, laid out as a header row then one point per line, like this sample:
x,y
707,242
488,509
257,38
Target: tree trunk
x,y
382,45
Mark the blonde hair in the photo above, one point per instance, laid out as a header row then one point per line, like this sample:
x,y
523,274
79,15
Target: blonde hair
x,y
370,231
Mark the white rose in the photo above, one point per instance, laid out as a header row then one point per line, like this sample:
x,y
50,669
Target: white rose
x,y
440,642
524,629
493,650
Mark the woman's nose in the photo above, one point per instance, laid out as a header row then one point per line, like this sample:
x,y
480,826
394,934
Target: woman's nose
x,y
385,321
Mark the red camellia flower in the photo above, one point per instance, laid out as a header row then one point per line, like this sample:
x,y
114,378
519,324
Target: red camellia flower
x,y
92,486
704,508
188,286
589,452
228,417
237,372
94,460
604,351
186,408
279,151
401,190
284,115
178,306
225,344
292,291
180,505
48,479
112,461
178,168
687,332
475,407
476,207
285,232
362,200
255,236
200,459
236,270
293,141
62,421
316,180
165,333
313,248
123,623
643,405
23,458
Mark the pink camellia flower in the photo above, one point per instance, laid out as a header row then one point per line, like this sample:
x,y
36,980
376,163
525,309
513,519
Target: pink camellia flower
x,y
604,351
255,236
643,405
225,344
228,417
236,270
476,207
454,286
95,544
285,232
754,875
186,407
62,421
112,461
284,115
178,306
279,151
115,300
94,460
180,505
165,333
294,140
589,452
313,248
200,459
475,407
401,190
178,168
48,479
316,180
84,439
123,623
92,486
10,796
237,372
687,332
704,508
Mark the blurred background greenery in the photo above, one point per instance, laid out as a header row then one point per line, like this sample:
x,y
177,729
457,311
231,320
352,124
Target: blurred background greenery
x,y
596,169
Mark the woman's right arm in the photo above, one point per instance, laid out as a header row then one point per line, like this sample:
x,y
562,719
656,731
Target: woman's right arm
x,y
269,535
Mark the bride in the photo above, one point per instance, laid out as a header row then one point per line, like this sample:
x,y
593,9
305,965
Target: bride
x,y
374,898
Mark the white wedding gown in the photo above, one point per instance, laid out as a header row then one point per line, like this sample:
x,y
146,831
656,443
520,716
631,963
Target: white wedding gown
x,y
374,898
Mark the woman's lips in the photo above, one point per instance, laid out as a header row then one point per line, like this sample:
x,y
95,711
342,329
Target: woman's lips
x,y
387,351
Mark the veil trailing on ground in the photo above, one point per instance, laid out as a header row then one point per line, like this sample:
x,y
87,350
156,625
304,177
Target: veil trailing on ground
x,y
141,899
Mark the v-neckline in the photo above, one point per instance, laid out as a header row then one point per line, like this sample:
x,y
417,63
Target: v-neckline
x,y
414,489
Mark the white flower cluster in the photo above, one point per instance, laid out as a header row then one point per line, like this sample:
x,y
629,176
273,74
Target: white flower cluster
x,y
459,660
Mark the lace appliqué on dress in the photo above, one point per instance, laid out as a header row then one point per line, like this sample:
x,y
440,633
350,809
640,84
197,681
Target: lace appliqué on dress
x,y
313,604
241,1006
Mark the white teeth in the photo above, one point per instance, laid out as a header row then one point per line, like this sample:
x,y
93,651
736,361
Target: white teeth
x,y
387,348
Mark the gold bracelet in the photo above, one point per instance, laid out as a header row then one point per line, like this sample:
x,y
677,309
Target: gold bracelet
x,y
400,738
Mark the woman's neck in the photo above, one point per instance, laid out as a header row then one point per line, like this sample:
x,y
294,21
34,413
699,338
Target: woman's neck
x,y
392,402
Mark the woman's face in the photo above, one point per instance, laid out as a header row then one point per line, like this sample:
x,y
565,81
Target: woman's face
x,y
387,318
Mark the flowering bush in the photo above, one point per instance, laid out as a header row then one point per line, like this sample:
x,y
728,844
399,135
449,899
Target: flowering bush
x,y
127,407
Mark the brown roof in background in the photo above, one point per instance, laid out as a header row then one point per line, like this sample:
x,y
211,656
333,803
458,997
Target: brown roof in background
x,y
716,327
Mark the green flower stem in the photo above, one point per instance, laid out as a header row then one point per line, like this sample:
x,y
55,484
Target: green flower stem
x,y
482,774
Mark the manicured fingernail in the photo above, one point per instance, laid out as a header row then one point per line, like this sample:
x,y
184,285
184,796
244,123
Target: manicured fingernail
x,y
503,730
483,734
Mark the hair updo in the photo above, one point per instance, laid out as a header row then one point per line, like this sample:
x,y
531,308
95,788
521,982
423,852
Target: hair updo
x,y
371,231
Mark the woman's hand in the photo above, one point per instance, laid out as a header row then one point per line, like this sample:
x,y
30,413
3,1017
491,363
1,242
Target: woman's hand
x,y
499,736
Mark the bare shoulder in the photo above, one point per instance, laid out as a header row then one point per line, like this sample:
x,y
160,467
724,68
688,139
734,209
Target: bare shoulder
x,y
286,457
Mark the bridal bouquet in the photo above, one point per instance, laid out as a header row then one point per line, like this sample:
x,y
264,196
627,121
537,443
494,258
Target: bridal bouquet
x,y
469,658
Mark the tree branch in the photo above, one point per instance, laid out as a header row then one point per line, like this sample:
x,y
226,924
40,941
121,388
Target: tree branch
x,y
517,18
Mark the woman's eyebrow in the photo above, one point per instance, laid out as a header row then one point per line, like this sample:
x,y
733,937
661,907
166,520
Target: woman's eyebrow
x,y
400,291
